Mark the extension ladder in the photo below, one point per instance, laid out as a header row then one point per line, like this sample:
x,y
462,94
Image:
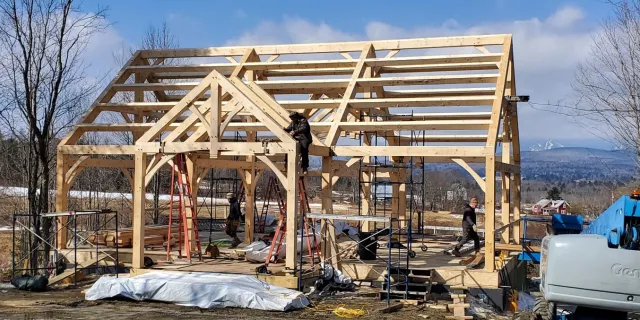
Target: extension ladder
x,y
281,229
273,191
187,211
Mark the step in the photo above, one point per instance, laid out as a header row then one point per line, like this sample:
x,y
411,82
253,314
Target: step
x,y
415,293
410,284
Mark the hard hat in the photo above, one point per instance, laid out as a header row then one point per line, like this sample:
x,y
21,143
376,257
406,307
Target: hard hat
x,y
230,195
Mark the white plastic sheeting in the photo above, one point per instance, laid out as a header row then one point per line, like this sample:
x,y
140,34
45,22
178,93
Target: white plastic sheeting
x,y
204,290
258,250
334,274
341,227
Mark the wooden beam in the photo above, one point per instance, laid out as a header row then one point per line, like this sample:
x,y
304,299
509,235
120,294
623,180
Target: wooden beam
x,y
253,107
176,111
274,168
325,84
496,109
416,151
517,247
486,100
330,69
419,43
101,149
414,125
452,92
473,173
507,167
350,92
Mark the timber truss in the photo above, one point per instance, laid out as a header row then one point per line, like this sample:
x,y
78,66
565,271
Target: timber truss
x,y
195,101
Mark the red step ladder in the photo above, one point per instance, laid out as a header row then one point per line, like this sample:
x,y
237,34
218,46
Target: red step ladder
x,y
273,193
187,211
281,229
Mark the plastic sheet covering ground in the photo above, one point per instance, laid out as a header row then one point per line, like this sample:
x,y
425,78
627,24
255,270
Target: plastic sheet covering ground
x,y
204,290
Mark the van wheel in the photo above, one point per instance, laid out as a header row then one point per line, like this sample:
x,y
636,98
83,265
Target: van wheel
x,y
542,309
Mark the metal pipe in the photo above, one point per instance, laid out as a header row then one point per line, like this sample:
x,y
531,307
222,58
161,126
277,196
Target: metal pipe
x,y
13,246
118,245
75,250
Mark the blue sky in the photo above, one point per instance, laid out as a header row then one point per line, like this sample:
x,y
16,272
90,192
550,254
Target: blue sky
x,y
550,37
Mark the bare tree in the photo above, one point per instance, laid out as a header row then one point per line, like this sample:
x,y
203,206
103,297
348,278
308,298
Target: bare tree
x,y
608,83
43,85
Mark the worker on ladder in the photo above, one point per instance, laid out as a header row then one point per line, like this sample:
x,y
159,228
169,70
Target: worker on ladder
x,y
301,131
469,227
233,219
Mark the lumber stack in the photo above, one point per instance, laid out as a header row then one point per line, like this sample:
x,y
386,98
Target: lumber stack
x,y
460,306
154,235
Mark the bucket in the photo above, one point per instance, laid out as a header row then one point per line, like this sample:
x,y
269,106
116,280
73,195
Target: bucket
x,y
368,246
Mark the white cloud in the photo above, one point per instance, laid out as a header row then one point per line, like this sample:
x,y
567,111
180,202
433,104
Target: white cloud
x,y
99,53
291,30
566,17
546,49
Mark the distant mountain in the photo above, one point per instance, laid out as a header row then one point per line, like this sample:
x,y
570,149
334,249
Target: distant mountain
x,y
566,164
576,163
579,154
546,146
562,164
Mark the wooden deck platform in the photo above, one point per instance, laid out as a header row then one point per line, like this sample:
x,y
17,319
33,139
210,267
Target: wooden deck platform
x,y
448,269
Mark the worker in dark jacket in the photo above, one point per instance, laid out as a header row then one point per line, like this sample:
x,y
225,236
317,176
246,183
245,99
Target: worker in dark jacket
x,y
233,219
301,131
469,227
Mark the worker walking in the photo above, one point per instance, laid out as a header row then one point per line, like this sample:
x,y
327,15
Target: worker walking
x,y
301,131
469,227
233,219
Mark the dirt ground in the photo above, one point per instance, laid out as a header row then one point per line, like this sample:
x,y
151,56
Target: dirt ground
x,y
70,304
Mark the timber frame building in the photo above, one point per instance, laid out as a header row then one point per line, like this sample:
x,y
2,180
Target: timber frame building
x,y
363,99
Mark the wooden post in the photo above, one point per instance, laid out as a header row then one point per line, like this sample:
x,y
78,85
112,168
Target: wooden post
x,y
139,199
249,208
506,187
402,197
365,188
192,170
138,96
330,244
215,118
489,213
62,192
292,210
516,207
395,200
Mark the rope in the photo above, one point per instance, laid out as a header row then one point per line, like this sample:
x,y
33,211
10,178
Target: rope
x,y
342,311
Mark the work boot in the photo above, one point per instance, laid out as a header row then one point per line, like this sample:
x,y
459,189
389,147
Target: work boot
x,y
235,243
456,253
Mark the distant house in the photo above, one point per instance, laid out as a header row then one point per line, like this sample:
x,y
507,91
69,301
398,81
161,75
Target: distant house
x,y
548,207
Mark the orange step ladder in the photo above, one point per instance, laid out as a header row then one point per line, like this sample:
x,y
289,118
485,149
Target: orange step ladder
x,y
273,193
187,212
281,231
